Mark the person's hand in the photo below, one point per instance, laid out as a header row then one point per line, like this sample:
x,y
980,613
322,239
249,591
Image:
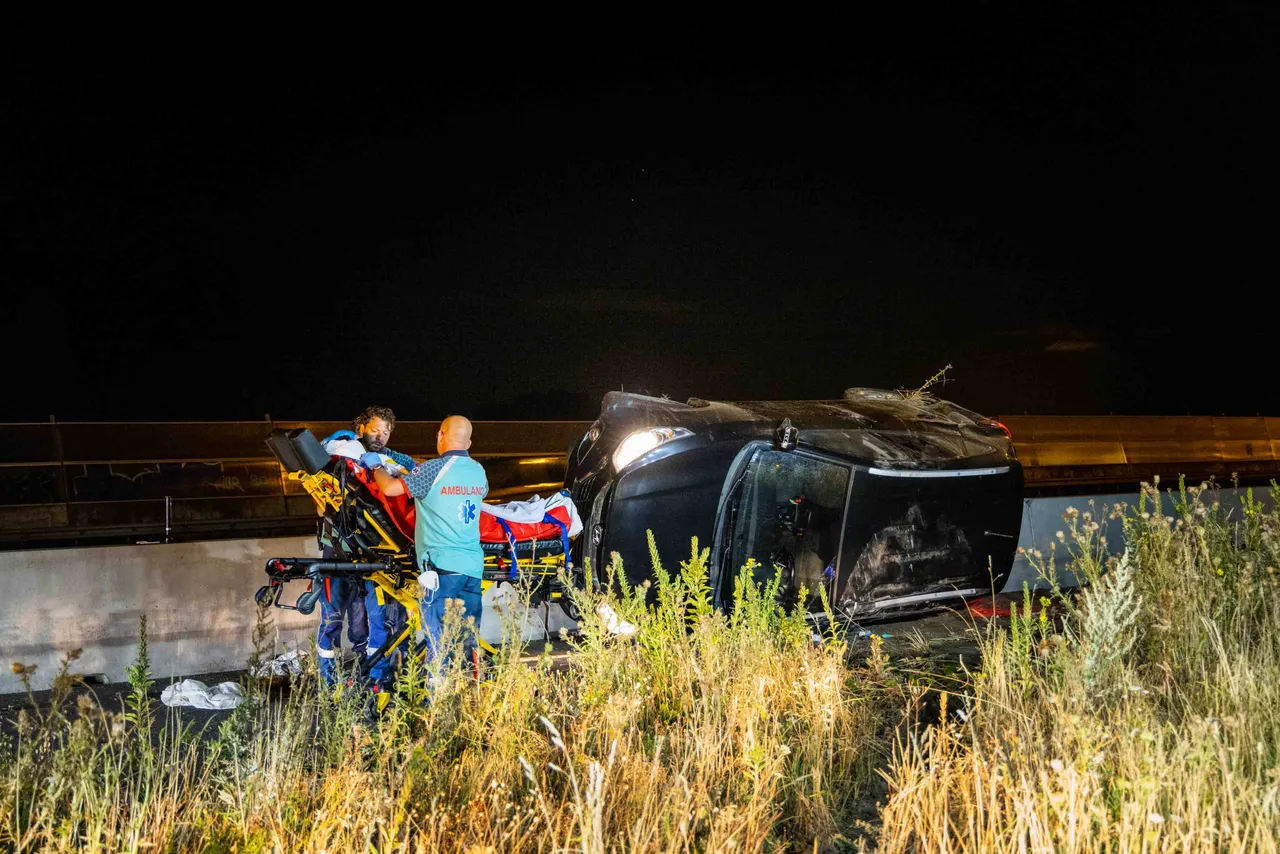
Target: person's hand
x,y
338,434
370,460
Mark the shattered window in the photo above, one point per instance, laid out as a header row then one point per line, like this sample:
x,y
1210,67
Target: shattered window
x,y
788,513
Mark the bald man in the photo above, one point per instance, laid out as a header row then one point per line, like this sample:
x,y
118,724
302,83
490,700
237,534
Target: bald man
x,y
447,494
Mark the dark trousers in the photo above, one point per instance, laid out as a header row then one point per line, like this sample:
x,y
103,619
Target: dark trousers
x,y
386,621
453,585
347,604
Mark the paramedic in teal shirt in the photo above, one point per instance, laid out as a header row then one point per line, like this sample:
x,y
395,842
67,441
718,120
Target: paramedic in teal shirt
x,y
447,493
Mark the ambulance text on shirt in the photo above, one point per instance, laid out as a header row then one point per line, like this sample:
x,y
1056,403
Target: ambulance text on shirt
x,y
447,493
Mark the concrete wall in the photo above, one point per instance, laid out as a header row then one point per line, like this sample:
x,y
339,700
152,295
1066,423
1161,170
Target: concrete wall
x,y
198,598
1042,519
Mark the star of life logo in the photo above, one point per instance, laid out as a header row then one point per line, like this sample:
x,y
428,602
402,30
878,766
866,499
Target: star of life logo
x,y
467,512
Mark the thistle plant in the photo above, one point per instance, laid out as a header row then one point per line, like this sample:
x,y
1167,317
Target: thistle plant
x,y
138,701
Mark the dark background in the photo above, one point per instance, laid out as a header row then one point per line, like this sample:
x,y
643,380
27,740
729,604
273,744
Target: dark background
x,y
226,218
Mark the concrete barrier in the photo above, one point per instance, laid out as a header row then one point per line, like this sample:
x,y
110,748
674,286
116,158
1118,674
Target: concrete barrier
x,y
198,598
1042,518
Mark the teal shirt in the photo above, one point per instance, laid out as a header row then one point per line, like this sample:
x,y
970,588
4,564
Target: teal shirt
x,y
447,494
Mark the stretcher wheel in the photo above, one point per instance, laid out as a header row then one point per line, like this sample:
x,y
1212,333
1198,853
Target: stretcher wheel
x,y
570,610
307,601
264,597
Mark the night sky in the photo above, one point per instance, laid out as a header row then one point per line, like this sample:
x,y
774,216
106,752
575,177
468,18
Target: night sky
x,y
220,220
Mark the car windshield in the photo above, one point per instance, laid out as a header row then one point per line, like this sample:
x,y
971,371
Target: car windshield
x,y
789,510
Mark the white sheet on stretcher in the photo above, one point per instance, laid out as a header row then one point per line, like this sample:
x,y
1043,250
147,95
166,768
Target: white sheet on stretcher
x,y
532,510
352,449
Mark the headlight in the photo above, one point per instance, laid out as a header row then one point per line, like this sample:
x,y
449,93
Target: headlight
x,y
642,442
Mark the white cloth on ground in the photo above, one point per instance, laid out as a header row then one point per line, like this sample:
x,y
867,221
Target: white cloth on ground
x,y
193,692
613,623
532,510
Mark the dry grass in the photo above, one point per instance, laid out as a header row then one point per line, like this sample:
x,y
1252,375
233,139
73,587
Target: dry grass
x,y
705,731
1148,719
1144,716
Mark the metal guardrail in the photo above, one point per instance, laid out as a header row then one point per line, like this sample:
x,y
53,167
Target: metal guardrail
x,y
65,483
1068,450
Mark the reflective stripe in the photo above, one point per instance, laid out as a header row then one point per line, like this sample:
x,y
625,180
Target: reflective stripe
x,y
936,472
325,653
370,651
442,471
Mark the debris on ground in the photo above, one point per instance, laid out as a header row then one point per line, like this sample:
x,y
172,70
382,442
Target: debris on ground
x,y
1000,605
286,664
613,623
194,693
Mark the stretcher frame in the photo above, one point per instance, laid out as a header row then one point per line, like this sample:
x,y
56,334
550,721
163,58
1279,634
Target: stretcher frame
x,y
386,559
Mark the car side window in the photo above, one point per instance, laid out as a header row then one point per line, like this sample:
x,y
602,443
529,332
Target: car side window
x,y
788,514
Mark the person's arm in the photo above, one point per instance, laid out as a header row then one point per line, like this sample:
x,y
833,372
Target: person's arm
x,y
413,483
390,486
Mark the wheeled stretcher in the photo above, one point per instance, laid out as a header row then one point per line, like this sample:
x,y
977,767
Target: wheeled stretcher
x,y
372,538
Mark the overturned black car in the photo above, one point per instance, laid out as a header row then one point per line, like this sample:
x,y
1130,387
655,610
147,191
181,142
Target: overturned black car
x,y
890,502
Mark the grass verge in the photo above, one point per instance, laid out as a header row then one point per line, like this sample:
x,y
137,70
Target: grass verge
x,y
705,730
1141,714
1146,718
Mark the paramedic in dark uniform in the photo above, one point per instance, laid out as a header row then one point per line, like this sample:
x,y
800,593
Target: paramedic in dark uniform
x,y
447,494
373,429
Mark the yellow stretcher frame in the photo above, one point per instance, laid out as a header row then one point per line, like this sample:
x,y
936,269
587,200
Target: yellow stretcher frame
x,y
326,491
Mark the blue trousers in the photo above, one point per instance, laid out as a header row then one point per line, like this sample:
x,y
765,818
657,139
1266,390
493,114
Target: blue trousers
x,y
348,604
453,585
386,621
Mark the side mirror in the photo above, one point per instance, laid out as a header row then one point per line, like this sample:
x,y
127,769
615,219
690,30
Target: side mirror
x,y
786,436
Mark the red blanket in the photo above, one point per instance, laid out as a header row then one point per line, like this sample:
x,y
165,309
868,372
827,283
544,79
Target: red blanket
x,y
401,510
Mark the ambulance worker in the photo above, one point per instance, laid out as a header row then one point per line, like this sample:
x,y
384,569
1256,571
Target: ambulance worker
x,y
447,494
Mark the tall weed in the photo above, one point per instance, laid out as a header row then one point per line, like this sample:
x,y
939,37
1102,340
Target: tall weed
x,y
705,730
1145,718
